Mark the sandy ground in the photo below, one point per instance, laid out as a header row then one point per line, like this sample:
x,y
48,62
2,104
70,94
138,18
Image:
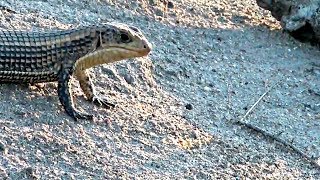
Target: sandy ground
x,y
175,108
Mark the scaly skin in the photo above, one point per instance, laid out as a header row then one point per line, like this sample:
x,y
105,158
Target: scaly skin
x,y
32,57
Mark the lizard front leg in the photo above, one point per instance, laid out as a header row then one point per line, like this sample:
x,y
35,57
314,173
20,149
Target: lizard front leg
x,y
65,95
89,90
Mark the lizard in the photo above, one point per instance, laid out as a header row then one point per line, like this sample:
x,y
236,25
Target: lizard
x,y
58,55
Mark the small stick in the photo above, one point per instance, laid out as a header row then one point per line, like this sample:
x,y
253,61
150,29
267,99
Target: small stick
x,y
281,141
256,103
271,136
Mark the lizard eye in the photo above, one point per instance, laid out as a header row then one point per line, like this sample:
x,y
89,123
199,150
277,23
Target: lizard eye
x,y
125,38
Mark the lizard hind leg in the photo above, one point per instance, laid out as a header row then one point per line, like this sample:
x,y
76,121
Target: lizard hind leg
x,y
65,96
89,90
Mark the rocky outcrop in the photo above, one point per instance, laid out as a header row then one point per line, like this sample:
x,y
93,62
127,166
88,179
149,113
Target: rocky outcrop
x,y
300,18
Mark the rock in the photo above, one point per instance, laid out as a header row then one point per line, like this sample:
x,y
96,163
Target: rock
x,y
299,18
129,79
159,12
170,4
152,2
189,106
2,147
206,88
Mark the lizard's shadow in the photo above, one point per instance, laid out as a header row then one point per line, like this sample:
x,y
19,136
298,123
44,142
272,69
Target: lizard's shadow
x,y
38,102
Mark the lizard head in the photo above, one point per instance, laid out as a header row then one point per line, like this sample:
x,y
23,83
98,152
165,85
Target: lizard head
x,y
123,39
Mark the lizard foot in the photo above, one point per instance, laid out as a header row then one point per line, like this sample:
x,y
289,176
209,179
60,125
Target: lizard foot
x,y
76,115
102,102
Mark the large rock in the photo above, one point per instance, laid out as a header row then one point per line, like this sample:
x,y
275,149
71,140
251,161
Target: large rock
x,y
298,17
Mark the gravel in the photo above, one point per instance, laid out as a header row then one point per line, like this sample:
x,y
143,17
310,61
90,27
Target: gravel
x,y
175,108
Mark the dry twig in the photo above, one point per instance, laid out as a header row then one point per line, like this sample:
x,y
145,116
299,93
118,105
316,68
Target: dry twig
x,y
271,136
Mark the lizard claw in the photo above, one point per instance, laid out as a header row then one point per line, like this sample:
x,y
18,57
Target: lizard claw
x,y
102,102
80,115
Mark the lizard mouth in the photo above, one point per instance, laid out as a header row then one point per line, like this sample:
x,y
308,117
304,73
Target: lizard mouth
x,y
129,51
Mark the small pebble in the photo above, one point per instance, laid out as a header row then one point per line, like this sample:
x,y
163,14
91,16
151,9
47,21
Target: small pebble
x,y
152,2
189,106
129,79
206,88
159,12
170,4
2,147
